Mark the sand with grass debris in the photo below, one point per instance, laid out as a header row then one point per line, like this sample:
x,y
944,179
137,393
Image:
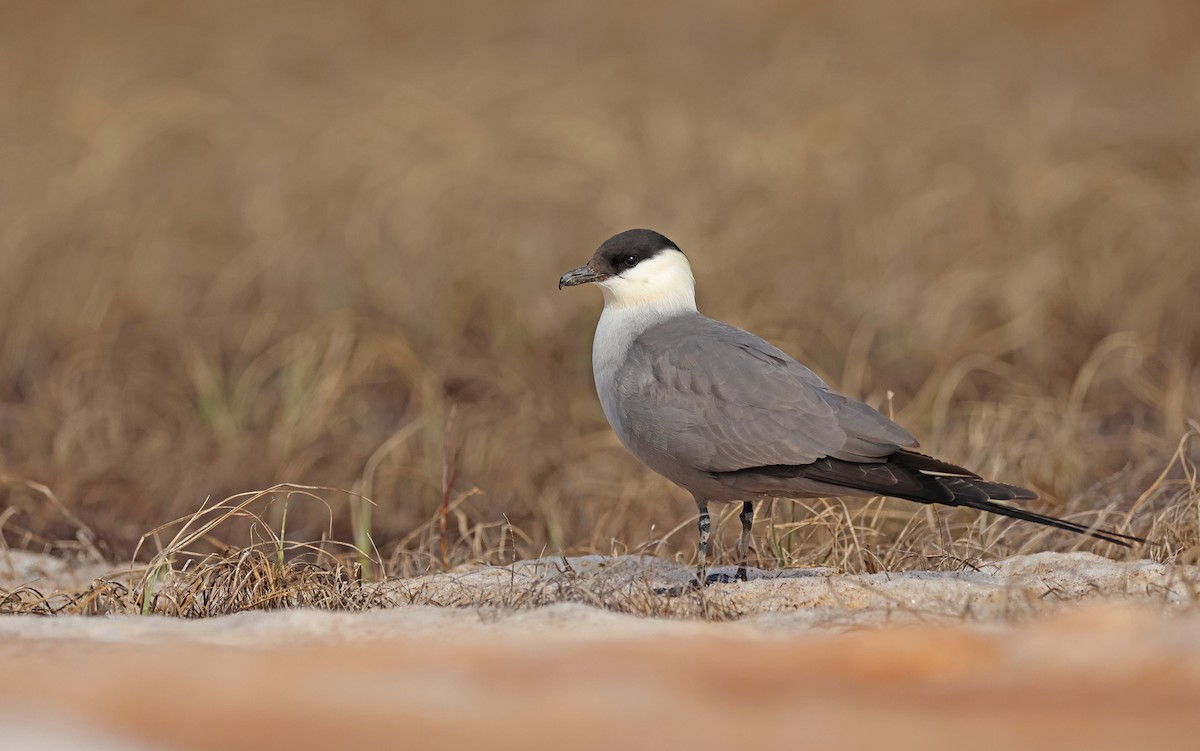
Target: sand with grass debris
x,y
1040,651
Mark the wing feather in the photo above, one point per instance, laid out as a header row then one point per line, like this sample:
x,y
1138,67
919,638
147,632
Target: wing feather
x,y
722,399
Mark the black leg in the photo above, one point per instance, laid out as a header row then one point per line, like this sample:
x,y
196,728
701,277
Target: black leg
x,y
747,517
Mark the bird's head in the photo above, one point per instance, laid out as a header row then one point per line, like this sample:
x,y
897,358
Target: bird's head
x,y
638,267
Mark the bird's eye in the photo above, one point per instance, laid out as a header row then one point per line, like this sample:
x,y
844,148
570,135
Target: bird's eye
x,y
630,261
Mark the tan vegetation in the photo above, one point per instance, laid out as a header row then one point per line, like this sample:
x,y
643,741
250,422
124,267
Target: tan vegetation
x,y
245,245
273,573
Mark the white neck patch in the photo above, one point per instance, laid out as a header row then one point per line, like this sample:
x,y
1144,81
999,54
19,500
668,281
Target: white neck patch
x,y
662,283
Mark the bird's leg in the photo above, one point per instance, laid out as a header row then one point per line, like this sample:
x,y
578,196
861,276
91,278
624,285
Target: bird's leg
x,y
705,524
747,517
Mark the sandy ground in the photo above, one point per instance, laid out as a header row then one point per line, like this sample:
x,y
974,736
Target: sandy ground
x,y
1044,651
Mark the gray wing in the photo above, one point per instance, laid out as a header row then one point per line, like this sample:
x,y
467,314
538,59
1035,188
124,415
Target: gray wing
x,y
721,399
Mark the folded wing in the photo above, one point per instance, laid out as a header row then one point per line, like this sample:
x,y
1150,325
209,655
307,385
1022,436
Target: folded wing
x,y
723,399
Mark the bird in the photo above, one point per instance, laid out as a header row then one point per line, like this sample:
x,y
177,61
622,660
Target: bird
x,y
729,417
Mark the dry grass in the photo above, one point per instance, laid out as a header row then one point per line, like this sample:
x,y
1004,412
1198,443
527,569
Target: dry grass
x,y
249,245
271,573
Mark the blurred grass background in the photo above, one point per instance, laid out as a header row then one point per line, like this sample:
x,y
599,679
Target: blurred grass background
x,y
250,243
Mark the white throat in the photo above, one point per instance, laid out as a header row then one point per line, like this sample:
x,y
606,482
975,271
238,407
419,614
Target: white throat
x,y
656,289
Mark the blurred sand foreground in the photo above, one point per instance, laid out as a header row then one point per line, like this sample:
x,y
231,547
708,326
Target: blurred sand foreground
x,y
1110,658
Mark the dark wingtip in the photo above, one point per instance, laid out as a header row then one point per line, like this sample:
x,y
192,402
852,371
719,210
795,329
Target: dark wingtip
x,y
916,477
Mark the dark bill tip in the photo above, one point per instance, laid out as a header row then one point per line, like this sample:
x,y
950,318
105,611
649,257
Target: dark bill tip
x,y
581,275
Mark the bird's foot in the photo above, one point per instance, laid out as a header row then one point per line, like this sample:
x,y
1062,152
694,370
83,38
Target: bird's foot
x,y
720,579
694,584
678,590
740,576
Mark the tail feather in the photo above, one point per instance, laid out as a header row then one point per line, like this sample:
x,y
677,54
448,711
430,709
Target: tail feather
x,y
921,478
